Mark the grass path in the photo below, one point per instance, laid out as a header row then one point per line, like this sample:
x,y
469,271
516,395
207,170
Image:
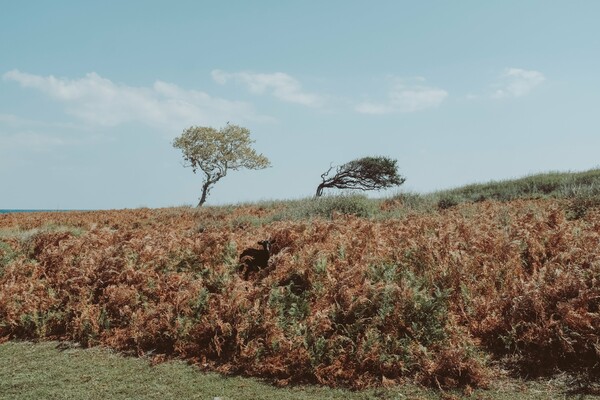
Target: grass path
x,y
44,371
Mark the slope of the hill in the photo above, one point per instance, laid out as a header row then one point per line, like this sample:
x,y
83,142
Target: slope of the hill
x,y
436,297
544,185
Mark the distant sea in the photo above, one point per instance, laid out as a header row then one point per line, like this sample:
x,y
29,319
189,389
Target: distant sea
x,y
23,211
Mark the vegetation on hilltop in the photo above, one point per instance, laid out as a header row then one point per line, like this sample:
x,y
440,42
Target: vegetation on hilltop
x,y
544,185
392,291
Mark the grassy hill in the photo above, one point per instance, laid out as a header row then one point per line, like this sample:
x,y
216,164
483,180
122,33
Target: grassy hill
x,y
359,293
545,185
577,190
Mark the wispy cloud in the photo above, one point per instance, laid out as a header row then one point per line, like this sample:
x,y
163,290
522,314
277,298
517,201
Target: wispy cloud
x,y
15,121
10,119
282,86
32,141
35,136
516,82
97,100
405,96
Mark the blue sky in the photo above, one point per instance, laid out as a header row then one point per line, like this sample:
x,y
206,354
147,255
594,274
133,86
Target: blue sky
x,y
93,93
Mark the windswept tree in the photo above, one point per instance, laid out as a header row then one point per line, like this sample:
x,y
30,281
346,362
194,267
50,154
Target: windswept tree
x,y
214,152
367,173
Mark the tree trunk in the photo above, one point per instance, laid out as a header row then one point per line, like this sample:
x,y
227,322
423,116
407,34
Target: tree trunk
x,y
205,189
319,190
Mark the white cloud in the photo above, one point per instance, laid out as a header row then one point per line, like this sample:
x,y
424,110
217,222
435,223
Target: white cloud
x,y
97,100
282,86
406,97
516,82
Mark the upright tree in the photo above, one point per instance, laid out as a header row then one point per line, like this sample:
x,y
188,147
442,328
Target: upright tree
x,y
214,152
367,173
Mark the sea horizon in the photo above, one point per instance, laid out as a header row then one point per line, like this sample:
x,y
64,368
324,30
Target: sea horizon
x,y
10,211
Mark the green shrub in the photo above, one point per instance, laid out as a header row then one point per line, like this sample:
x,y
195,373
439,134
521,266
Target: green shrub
x,y
578,207
6,255
550,184
328,206
447,202
426,310
357,205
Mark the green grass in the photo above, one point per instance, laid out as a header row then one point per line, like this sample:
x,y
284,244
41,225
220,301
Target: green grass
x,y
583,188
545,185
327,207
51,371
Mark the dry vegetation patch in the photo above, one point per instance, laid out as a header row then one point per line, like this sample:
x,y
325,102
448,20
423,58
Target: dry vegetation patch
x,y
438,297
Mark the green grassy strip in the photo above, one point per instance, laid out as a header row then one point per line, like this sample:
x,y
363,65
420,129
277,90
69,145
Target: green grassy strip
x,y
26,234
577,186
549,184
44,371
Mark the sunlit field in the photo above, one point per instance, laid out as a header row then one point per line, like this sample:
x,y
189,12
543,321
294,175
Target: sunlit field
x,y
359,293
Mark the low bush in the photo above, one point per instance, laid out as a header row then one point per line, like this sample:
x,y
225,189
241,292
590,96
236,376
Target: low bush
x,y
327,207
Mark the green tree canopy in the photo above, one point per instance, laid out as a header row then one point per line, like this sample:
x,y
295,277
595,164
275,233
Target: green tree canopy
x,y
367,173
214,152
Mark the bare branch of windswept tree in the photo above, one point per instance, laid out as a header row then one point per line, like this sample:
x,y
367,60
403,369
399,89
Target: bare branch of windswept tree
x,y
367,173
